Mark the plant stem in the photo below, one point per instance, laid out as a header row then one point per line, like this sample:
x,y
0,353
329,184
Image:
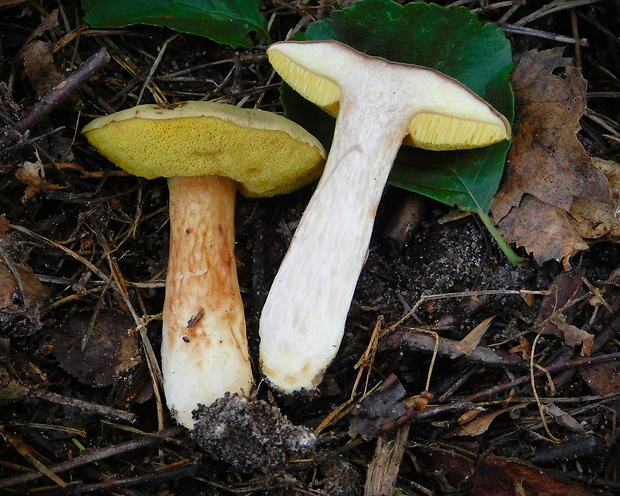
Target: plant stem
x,y
501,242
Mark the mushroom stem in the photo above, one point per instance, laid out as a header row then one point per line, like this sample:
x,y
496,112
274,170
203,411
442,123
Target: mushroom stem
x,y
301,329
204,348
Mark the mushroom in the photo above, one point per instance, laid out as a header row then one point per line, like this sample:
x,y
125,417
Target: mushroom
x,y
207,151
378,105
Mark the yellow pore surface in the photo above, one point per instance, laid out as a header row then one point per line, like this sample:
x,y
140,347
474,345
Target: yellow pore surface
x,y
426,130
317,89
438,132
264,162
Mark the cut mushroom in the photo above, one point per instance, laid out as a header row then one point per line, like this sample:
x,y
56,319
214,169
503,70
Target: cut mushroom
x,y
378,105
198,146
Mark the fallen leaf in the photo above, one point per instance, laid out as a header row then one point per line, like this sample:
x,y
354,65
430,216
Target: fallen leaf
x,y
603,378
524,348
593,219
383,405
556,311
572,335
468,344
480,424
50,21
22,298
4,225
563,418
498,475
564,287
11,297
33,175
547,166
9,3
11,390
542,229
40,68
112,348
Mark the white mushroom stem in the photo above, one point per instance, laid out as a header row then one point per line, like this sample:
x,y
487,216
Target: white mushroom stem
x,y
204,348
303,320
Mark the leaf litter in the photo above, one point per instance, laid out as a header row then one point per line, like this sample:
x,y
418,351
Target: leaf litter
x,y
104,227
548,168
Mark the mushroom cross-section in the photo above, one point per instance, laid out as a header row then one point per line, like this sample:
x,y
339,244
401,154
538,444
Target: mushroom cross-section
x,y
378,105
207,151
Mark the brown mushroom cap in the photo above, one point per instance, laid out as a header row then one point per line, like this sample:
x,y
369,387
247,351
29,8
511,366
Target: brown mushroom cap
x,y
264,152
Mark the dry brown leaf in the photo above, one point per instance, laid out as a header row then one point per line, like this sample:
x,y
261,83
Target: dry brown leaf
x,y
572,335
594,219
111,351
4,225
547,166
557,311
33,175
480,424
11,298
40,68
542,229
602,378
468,344
499,475
564,419
384,405
524,348
546,159
49,22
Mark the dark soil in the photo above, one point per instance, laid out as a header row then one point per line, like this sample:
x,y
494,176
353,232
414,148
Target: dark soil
x,y
83,253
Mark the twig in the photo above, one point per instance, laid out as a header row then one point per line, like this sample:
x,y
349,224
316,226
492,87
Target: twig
x,y
468,402
84,406
11,266
516,29
92,455
420,340
385,464
54,97
141,480
69,252
154,66
535,391
25,451
463,294
551,7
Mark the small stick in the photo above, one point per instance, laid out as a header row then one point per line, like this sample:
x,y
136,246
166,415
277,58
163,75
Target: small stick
x,y
516,29
420,340
54,97
385,464
92,455
141,480
468,402
84,406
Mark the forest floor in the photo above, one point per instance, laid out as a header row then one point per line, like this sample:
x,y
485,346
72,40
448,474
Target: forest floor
x,y
525,386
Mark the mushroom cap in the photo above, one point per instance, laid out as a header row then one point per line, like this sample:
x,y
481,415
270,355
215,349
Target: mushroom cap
x,y
265,153
446,114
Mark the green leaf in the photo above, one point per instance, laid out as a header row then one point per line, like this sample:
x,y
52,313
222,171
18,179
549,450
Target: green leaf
x,y
453,41
467,178
223,21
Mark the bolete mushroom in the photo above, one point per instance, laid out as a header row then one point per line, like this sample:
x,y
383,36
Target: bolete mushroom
x,y
378,105
207,151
